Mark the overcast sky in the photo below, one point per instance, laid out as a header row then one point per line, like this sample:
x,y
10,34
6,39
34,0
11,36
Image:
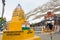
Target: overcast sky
x,y
27,5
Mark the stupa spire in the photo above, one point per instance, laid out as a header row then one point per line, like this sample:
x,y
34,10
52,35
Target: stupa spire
x,y
19,6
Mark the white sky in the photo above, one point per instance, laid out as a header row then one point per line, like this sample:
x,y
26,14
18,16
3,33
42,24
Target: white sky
x,y
27,5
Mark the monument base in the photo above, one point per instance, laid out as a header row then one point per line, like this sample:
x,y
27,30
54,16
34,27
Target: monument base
x,y
19,35
34,38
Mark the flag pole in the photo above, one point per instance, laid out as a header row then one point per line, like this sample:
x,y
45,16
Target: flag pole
x,y
3,2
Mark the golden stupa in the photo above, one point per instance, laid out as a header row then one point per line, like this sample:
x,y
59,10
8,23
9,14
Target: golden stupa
x,y
14,29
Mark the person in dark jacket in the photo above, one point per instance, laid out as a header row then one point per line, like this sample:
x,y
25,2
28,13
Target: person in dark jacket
x,y
50,26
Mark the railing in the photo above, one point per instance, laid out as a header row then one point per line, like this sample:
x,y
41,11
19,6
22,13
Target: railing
x,y
37,29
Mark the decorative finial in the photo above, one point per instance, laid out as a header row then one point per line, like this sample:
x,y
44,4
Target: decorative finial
x,y
19,6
